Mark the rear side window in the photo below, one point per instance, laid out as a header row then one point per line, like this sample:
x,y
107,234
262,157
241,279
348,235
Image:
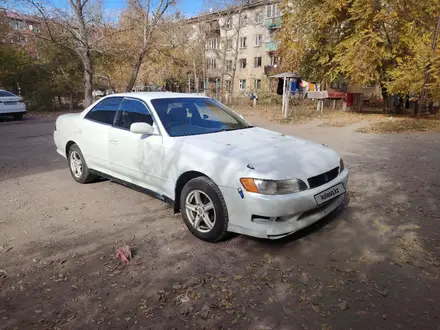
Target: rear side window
x,y
104,112
133,111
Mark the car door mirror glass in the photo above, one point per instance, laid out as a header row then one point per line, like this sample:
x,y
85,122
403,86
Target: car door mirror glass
x,y
141,128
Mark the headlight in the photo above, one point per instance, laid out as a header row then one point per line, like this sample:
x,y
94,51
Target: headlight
x,y
341,165
271,187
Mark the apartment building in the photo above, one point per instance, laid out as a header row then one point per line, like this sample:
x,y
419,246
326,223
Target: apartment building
x,y
240,50
19,29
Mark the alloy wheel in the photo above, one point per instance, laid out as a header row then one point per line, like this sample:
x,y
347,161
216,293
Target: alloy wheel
x,y
76,164
200,211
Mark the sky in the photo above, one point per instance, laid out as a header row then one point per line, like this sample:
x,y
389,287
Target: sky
x,y
187,7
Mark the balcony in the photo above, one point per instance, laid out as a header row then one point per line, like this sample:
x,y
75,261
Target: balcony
x,y
212,27
271,46
273,23
269,70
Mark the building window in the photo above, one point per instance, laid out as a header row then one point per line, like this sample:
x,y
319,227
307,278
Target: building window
x,y
228,86
258,40
228,65
257,62
212,63
243,42
17,25
272,11
18,38
229,44
213,43
242,84
259,17
243,20
228,24
257,83
242,62
275,60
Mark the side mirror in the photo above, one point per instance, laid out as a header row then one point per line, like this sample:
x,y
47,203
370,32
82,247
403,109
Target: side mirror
x,y
141,128
205,116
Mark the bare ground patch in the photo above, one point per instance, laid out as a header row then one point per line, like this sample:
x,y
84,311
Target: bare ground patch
x,y
374,264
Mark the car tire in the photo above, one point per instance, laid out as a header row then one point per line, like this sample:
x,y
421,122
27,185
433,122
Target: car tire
x,y
18,116
214,227
78,166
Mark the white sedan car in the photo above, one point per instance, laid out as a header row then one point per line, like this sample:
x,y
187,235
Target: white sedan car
x,y
11,105
221,173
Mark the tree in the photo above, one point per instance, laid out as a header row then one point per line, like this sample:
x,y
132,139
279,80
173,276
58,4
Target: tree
x,y
365,41
80,28
149,17
64,67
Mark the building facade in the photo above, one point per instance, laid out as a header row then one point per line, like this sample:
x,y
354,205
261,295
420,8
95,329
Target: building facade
x,y
240,50
19,29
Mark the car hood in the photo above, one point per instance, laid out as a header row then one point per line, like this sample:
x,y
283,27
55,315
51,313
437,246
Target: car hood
x,y
265,154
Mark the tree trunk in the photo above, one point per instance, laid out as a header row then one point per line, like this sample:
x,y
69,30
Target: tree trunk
x,y
71,101
88,78
135,72
59,102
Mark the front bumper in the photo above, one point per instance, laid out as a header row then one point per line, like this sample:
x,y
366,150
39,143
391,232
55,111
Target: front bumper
x,y
256,214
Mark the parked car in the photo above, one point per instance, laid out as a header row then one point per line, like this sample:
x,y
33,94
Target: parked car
x,y
222,174
11,105
97,93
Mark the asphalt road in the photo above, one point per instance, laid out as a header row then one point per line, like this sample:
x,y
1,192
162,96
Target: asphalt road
x,y
373,265
27,148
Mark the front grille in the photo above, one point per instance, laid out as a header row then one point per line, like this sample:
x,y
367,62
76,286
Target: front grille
x,y
323,178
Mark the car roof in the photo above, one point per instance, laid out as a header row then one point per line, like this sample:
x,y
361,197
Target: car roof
x,y
148,96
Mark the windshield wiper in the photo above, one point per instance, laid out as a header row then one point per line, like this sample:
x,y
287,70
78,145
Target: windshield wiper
x,y
234,129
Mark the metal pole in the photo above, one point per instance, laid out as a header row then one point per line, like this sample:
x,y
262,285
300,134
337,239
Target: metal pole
x,y
284,98
425,81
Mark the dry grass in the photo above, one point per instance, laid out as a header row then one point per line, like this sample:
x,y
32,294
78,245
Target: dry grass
x,y
299,113
401,125
306,112
342,119
375,123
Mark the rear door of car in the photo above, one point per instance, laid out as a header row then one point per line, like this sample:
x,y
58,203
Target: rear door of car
x,y
93,134
136,158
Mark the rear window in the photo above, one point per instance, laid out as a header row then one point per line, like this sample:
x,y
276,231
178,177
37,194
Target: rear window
x,y
6,93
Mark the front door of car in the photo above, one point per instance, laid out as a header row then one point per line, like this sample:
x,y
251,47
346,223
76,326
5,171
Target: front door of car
x,y
136,158
92,133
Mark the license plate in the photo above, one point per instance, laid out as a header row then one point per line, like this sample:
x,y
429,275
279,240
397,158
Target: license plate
x,y
10,102
329,194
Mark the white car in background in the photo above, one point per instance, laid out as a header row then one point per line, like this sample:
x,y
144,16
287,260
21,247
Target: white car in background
x,y
11,105
221,173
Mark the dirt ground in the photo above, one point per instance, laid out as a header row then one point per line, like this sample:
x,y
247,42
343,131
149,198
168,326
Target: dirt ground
x,y
374,264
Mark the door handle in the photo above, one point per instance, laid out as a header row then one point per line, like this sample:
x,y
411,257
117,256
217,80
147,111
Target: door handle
x,y
114,142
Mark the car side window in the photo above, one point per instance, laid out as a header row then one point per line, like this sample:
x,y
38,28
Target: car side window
x,y
104,112
132,111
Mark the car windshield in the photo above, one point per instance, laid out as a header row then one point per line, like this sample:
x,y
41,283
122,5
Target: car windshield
x,y
192,116
6,93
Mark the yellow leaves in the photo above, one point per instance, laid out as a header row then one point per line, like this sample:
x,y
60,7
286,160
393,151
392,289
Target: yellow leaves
x,y
381,226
